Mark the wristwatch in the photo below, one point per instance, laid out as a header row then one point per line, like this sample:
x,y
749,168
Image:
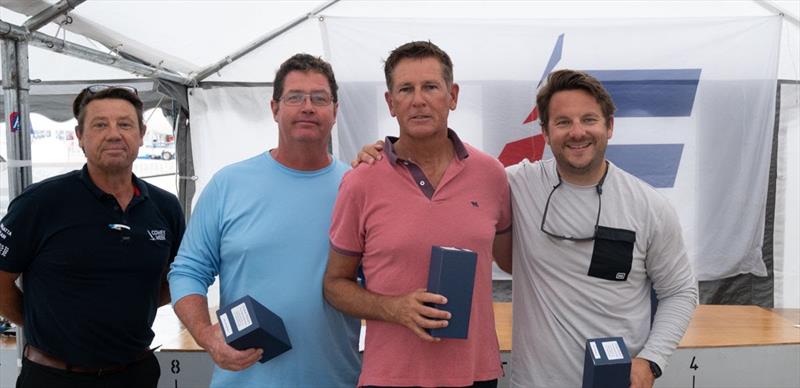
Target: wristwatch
x,y
655,369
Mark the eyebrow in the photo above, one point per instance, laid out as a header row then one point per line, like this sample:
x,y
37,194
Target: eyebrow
x,y
423,82
304,91
106,118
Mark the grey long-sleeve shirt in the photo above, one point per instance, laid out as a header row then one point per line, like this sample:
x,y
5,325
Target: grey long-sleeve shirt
x,y
558,305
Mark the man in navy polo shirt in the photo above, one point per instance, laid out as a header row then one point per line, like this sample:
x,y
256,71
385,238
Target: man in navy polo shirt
x,y
94,246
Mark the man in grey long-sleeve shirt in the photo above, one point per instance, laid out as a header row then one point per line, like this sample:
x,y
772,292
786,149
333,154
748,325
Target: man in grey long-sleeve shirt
x,y
589,242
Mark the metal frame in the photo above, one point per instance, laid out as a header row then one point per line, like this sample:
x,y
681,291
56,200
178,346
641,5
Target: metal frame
x,y
47,42
208,71
18,140
50,13
772,7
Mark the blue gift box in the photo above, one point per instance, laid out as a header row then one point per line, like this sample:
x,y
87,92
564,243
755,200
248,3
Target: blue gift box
x,y
246,324
452,274
607,363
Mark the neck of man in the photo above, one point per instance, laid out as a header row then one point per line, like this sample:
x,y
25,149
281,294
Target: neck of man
x,y
117,183
579,177
431,154
432,150
302,156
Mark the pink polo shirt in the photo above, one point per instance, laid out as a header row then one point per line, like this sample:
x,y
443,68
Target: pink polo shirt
x,y
386,214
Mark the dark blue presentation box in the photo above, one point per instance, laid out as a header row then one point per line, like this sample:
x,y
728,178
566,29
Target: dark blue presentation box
x,y
607,363
452,274
246,324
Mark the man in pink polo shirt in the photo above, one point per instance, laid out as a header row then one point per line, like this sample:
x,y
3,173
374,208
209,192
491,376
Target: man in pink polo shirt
x,y
430,189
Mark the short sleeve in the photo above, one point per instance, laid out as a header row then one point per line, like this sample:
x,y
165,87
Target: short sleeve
x,y
348,230
19,234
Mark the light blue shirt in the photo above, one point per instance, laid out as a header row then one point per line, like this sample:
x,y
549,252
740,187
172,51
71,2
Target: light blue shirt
x,y
263,228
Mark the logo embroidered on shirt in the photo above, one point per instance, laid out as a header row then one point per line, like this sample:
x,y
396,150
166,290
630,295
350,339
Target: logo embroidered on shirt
x,y
157,235
473,203
4,231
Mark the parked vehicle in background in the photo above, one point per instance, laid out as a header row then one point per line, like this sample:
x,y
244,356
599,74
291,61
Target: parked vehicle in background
x,y
163,151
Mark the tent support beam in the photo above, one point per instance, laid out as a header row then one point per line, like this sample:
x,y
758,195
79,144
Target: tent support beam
x,y
208,71
16,88
772,7
48,14
38,39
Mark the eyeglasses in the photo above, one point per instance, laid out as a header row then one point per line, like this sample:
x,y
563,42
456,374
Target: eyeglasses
x,y
299,98
598,189
99,88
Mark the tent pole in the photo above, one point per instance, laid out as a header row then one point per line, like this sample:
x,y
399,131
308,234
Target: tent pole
x,y
48,14
16,88
48,42
772,7
208,71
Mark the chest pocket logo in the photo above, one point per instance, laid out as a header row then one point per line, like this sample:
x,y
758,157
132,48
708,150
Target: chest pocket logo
x,y
613,254
157,235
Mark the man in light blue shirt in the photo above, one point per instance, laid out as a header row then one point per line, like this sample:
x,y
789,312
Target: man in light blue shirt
x,y
261,225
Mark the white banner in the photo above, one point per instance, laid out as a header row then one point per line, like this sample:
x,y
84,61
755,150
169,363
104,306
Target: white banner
x,y
695,97
229,124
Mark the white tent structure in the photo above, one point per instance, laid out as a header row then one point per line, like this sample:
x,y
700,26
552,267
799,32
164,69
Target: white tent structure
x,y
209,65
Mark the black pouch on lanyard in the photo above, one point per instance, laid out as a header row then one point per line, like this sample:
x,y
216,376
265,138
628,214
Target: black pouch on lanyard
x,y
613,253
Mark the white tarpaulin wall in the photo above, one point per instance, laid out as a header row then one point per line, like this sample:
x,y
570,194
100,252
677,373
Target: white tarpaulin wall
x,y
718,192
716,79
786,247
229,124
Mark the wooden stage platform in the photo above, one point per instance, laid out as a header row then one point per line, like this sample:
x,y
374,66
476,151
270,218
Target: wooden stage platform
x,y
725,346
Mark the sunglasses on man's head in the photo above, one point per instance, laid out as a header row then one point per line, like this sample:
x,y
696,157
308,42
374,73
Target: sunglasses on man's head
x,y
86,93
99,88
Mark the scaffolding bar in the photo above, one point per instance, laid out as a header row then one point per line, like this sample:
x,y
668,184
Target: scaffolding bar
x,y
208,71
48,42
48,14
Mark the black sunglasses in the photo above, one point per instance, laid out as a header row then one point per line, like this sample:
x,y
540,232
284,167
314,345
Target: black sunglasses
x,y
598,188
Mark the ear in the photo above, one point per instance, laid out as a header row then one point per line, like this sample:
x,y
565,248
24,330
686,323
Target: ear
x,y
388,97
141,136
273,105
79,135
610,130
335,109
453,96
546,134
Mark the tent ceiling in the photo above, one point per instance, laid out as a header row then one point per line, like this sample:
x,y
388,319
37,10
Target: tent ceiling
x,y
188,35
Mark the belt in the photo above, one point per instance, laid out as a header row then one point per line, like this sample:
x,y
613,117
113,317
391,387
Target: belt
x,y
39,357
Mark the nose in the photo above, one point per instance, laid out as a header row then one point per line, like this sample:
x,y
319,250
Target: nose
x,y
417,98
577,130
307,106
114,132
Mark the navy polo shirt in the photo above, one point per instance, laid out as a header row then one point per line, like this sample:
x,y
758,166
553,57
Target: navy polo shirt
x,y
91,271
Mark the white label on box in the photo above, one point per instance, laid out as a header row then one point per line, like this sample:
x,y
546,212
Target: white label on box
x,y
226,324
594,350
241,317
362,338
613,352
